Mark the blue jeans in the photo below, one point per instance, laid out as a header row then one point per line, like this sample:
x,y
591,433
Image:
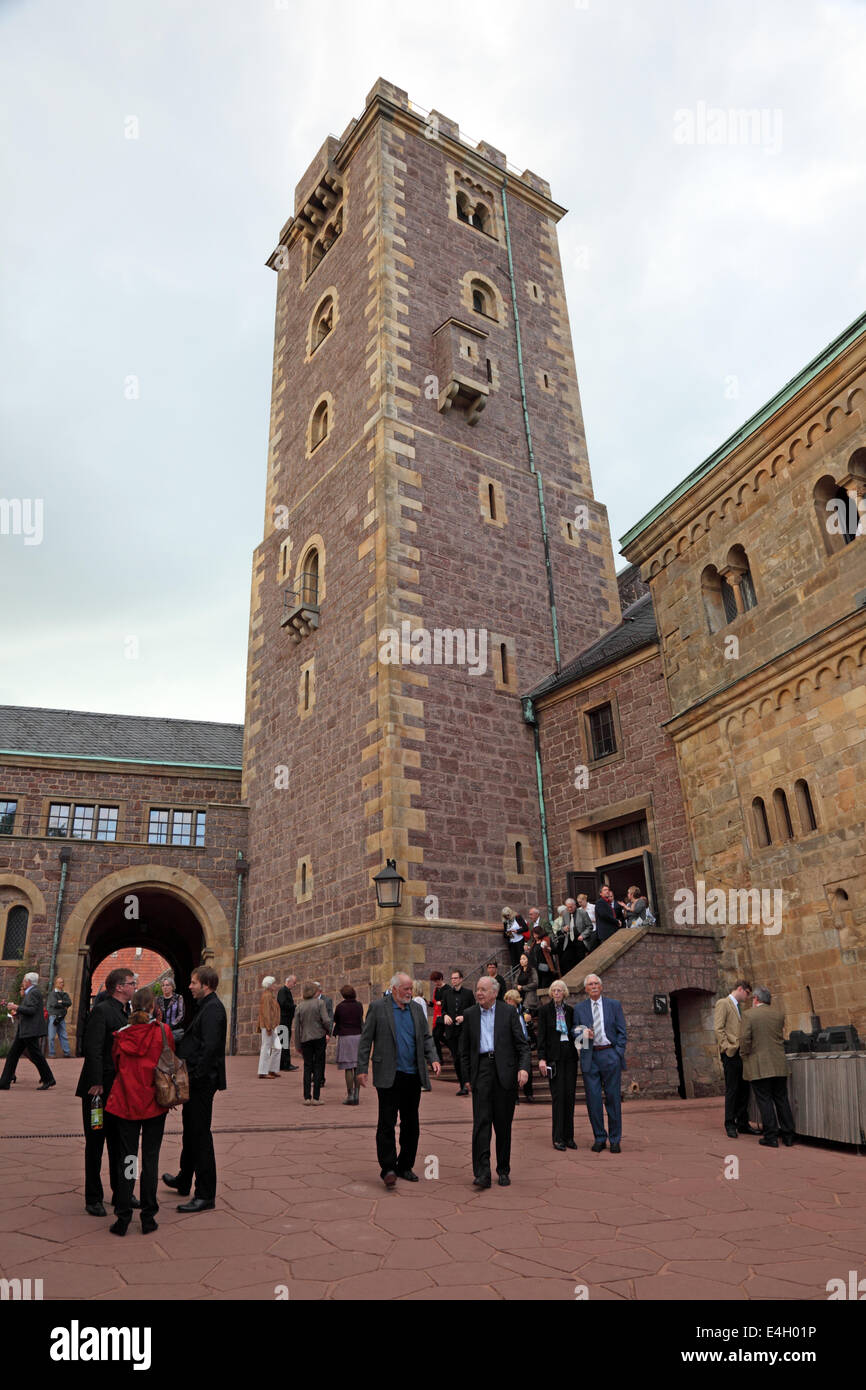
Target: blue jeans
x,y
602,1071
57,1027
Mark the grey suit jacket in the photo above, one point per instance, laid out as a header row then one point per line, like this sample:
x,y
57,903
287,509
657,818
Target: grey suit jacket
x,y
32,1022
380,1034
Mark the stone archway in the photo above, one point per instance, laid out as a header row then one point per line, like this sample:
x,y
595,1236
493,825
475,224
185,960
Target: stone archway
x,y
183,919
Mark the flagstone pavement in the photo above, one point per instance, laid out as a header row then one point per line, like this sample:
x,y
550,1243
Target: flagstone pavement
x,y
301,1212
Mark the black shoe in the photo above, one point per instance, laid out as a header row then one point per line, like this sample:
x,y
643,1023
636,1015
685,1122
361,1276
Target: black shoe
x,y
46,1086
134,1203
390,1180
480,1182
769,1143
95,1209
731,1131
747,1129
504,1180
292,1068
570,1144
148,1225
463,1091
407,1174
175,1184
198,1204
615,1148
120,1227
599,1145
788,1141
6,1088
559,1146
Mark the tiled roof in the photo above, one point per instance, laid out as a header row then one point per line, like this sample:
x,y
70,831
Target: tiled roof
x,y
637,629
67,733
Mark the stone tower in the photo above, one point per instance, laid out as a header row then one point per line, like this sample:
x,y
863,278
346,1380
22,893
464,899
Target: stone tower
x,y
431,549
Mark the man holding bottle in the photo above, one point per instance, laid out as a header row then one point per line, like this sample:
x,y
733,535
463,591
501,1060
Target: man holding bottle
x,y
94,1084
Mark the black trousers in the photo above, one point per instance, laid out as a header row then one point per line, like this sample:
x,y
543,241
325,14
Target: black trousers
x,y
452,1042
771,1093
562,1092
128,1132
286,1052
492,1106
197,1158
314,1066
95,1141
400,1099
736,1091
32,1049
515,951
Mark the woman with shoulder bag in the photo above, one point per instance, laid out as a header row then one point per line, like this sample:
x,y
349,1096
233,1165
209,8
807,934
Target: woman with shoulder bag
x,y
136,1050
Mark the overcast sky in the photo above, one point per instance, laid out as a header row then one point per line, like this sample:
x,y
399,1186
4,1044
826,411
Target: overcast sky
x,y
702,269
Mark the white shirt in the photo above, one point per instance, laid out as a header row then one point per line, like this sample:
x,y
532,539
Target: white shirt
x,y
515,931
419,999
590,907
487,1028
735,1003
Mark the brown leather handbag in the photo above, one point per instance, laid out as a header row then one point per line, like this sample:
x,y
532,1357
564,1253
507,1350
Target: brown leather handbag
x,y
170,1077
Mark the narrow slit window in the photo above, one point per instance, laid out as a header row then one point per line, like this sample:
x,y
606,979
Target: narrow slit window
x,y
761,823
518,856
806,810
503,659
783,815
491,501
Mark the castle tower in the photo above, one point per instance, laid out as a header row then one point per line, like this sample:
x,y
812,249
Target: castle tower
x,y
431,549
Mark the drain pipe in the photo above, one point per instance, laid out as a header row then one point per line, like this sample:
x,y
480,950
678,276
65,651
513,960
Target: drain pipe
x,y
65,856
243,869
530,717
540,486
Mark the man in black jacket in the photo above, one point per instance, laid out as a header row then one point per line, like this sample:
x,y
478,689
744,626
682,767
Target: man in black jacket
x,y
456,999
32,1027
286,1001
58,1005
497,1057
609,916
97,1079
203,1048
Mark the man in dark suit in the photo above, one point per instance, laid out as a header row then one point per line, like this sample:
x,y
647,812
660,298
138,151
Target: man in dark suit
x,y
97,1079
286,1001
599,1026
609,916
557,1060
397,1031
456,999
492,969
203,1048
32,1027
496,1056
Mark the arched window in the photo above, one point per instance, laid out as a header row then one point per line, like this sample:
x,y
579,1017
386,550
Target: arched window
x,y
15,938
323,322
805,809
518,856
464,208
714,603
741,576
483,299
308,580
783,815
761,824
836,512
319,425
481,218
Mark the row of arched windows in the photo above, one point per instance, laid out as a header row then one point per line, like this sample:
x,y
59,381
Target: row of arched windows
x,y
729,591
782,820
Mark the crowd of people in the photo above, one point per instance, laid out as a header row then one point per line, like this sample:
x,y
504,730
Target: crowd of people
x,y
490,1031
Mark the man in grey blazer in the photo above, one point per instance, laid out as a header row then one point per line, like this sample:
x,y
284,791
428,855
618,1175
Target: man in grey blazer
x,y
398,1033
32,1028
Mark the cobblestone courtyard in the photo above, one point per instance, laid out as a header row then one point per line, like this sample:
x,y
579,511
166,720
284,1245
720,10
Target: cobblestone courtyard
x,y
300,1208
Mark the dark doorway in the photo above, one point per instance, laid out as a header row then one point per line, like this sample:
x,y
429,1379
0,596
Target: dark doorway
x,y
678,1047
622,875
147,917
698,1064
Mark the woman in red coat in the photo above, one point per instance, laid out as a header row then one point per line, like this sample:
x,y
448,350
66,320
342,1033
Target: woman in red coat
x,y
136,1051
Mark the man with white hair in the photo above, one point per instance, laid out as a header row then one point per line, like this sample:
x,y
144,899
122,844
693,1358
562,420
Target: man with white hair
x,y
497,1059
600,1034
397,1031
32,1027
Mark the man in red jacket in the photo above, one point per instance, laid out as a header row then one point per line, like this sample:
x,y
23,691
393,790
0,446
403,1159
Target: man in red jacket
x,y
136,1051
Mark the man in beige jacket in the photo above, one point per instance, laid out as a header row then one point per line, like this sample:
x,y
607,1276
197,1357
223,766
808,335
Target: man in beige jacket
x,y
727,1020
766,1067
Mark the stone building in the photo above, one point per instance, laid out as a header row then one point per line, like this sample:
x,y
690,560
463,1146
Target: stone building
x,y
431,544
117,831
757,569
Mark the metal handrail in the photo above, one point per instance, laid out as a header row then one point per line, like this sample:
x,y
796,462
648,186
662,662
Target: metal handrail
x,y
305,593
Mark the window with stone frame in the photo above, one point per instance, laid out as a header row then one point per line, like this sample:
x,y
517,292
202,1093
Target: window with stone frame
x,y
483,299
15,935
474,205
8,811
176,826
602,732
322,322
